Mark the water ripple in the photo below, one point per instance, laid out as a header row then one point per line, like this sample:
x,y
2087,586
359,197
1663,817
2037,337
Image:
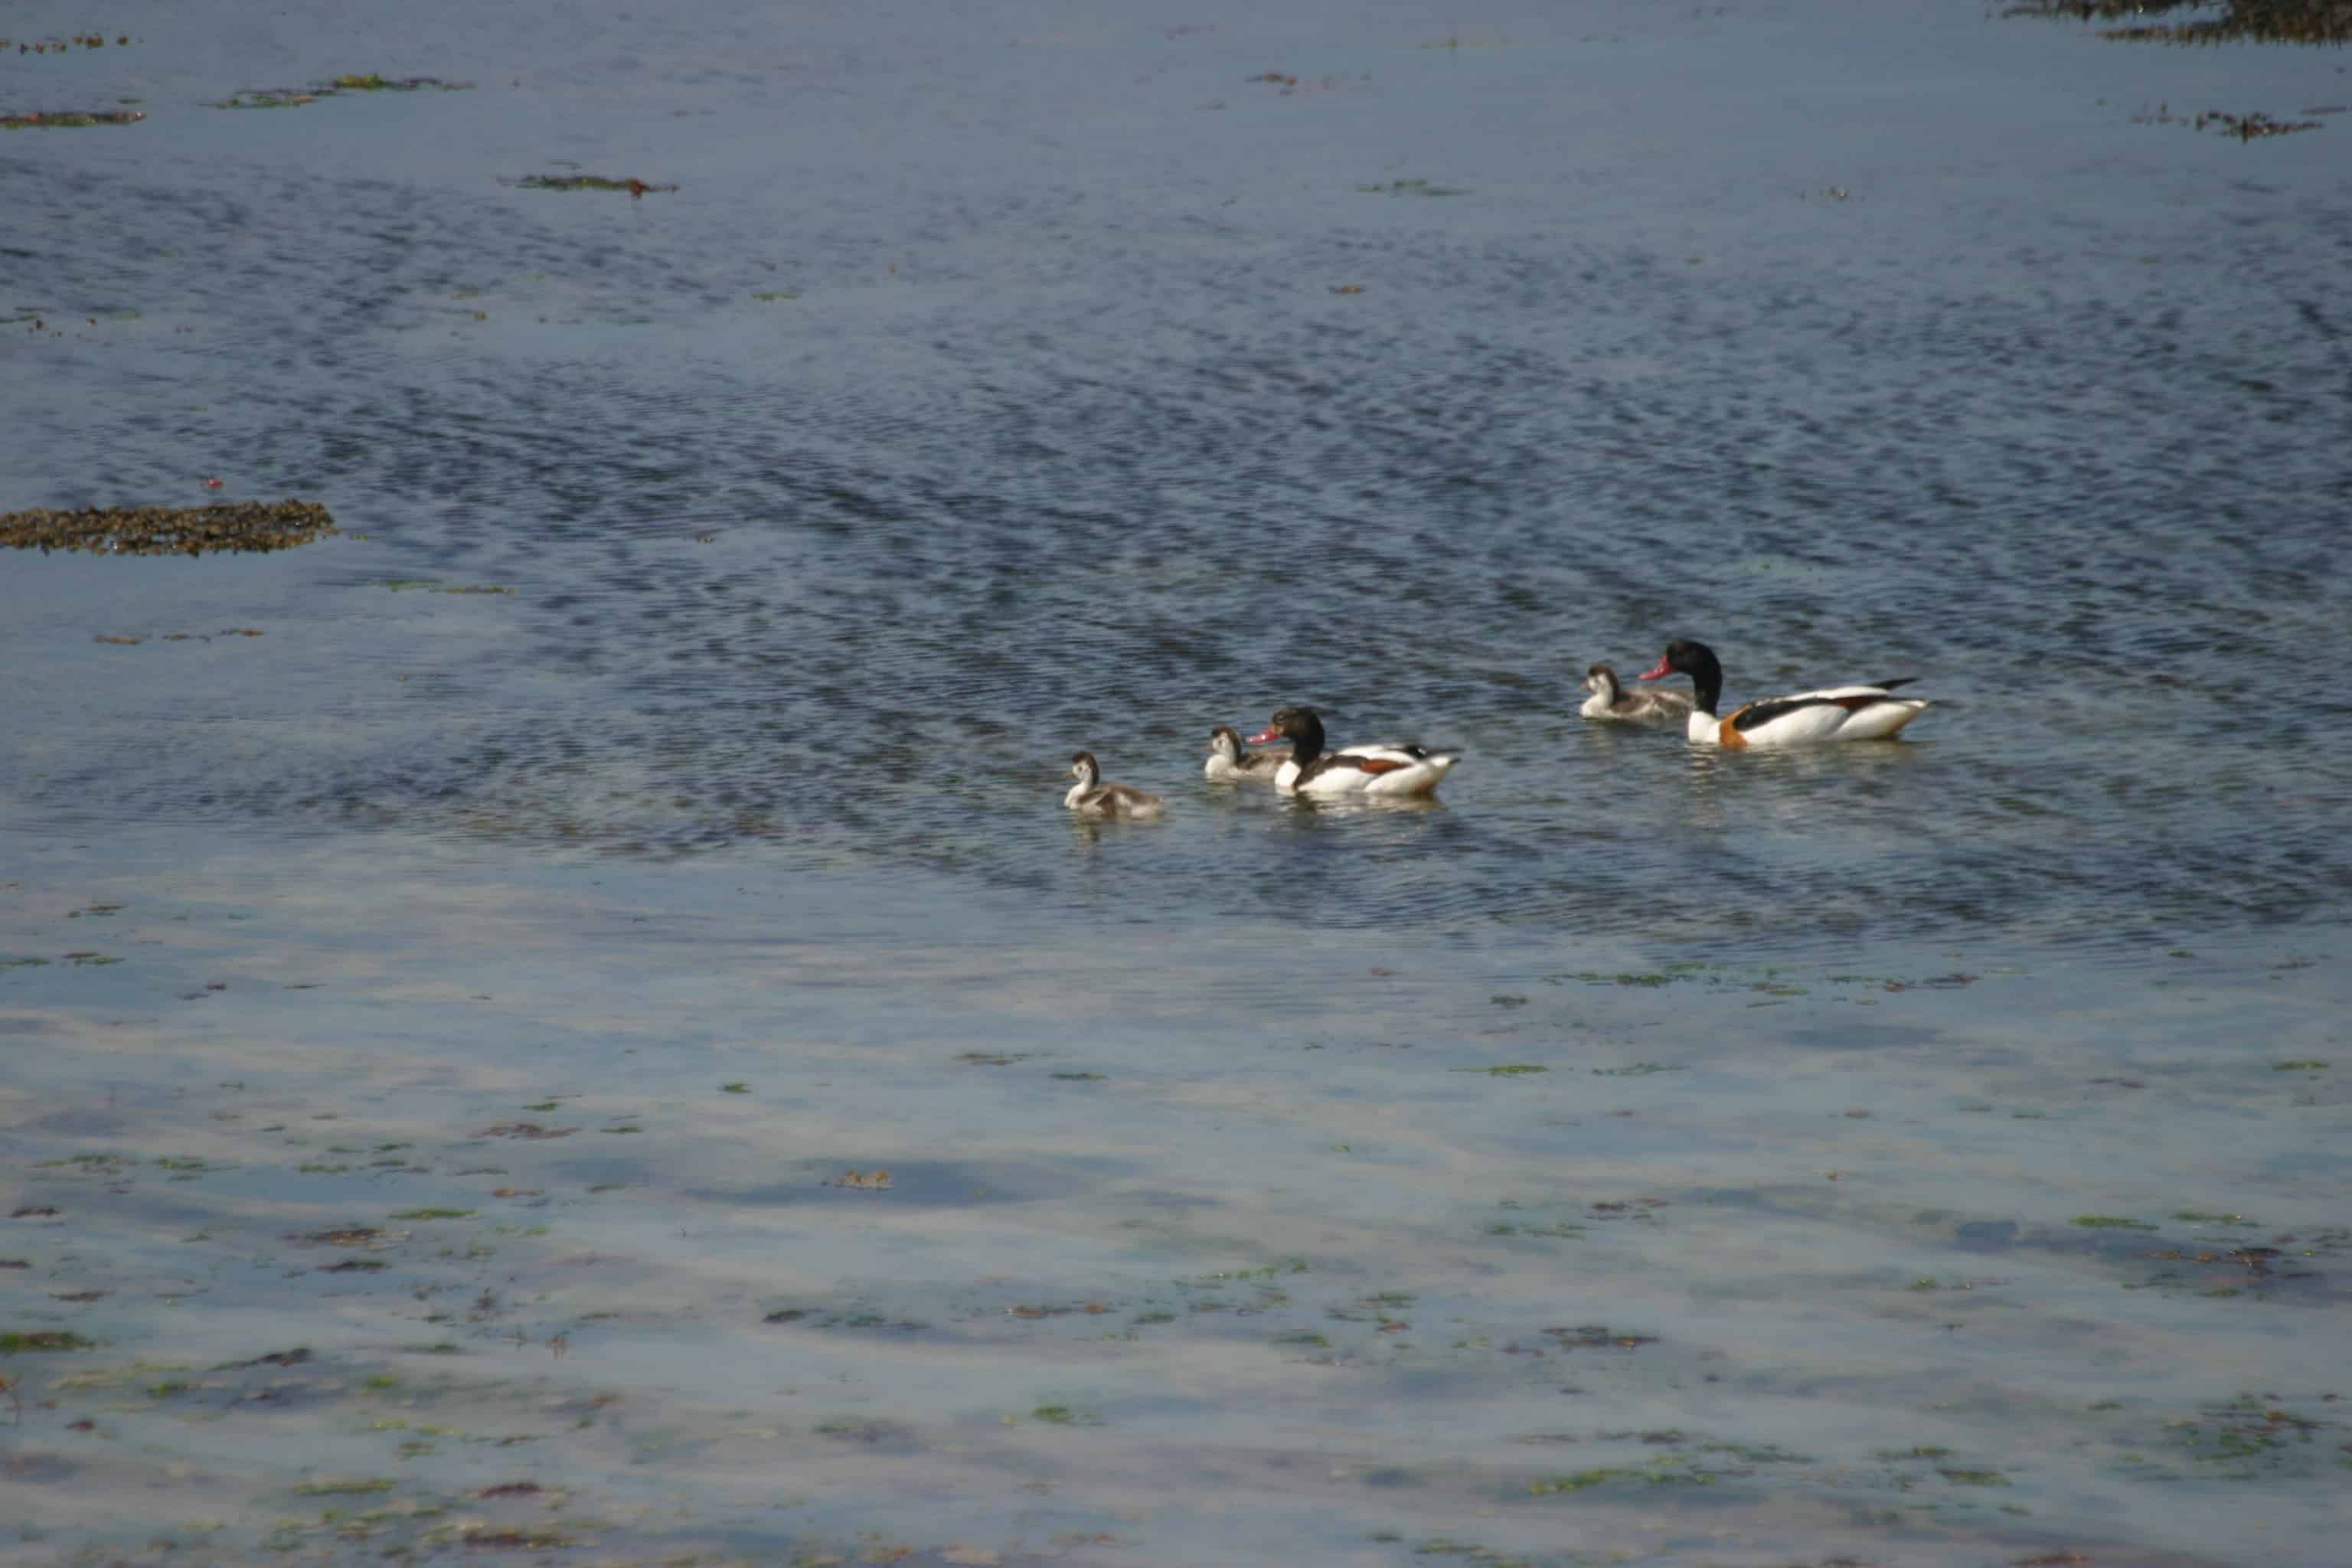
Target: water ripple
x,y
840,581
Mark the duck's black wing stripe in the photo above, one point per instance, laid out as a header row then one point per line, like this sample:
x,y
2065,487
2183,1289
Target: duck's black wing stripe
x,y
1761,714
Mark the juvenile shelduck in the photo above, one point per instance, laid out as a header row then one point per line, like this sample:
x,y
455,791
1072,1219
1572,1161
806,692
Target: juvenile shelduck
x,y
1391,771
1800,718
1228,762
1092,797
1609,699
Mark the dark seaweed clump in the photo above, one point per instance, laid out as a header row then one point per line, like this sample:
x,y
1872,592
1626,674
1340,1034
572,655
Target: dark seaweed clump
x,y
2244,127
635,188
2254,127
60,45
2248,21
168,530
36,121
295,97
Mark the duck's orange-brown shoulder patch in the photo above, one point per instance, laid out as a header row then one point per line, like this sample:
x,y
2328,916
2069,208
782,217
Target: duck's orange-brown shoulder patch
x,y
1727,732
1379,764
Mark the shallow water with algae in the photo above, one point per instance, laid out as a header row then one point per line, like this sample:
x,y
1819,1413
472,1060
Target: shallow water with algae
x,y
565,1017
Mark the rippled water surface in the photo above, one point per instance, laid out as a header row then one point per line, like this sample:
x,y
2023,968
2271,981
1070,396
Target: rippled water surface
x,y
631,851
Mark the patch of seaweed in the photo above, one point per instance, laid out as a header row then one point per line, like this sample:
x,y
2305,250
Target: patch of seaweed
x,y
2244,127
60,45
35,120
2259,21
369,82
635,188
2251,126
168,529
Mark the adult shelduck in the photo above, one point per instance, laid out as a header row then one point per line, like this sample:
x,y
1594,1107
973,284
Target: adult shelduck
x,y
1391,771
1609,699
1228,762
1092,797
1800,718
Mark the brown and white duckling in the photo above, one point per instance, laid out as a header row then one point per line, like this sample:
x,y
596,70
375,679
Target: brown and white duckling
x,y
1228,762
1609,699
1399,770
1800,718
1092,797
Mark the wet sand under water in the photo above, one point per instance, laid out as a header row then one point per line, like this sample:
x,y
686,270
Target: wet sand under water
x,y
565,1020
760,1222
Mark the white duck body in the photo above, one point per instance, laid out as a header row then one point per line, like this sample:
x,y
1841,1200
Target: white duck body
x,y
1390,770
1800,718
1228,763
1092,797
1609,699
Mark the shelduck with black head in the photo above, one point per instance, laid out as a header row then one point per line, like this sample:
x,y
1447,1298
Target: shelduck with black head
x,y
1800,718
1400,770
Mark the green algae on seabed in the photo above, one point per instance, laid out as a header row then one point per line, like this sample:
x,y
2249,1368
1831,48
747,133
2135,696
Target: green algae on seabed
x,y
1668,1470
1598,1336
229,526
296,97
2257,1435
1064,1416
1558,1231
1654,977
344,1486
2255,21
22,1342
35,120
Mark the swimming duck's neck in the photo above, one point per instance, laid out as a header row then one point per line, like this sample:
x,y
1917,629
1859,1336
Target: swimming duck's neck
x,y
1706,689
1308,743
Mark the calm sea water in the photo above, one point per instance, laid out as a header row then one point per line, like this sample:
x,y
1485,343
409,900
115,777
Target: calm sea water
x,y
633,847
